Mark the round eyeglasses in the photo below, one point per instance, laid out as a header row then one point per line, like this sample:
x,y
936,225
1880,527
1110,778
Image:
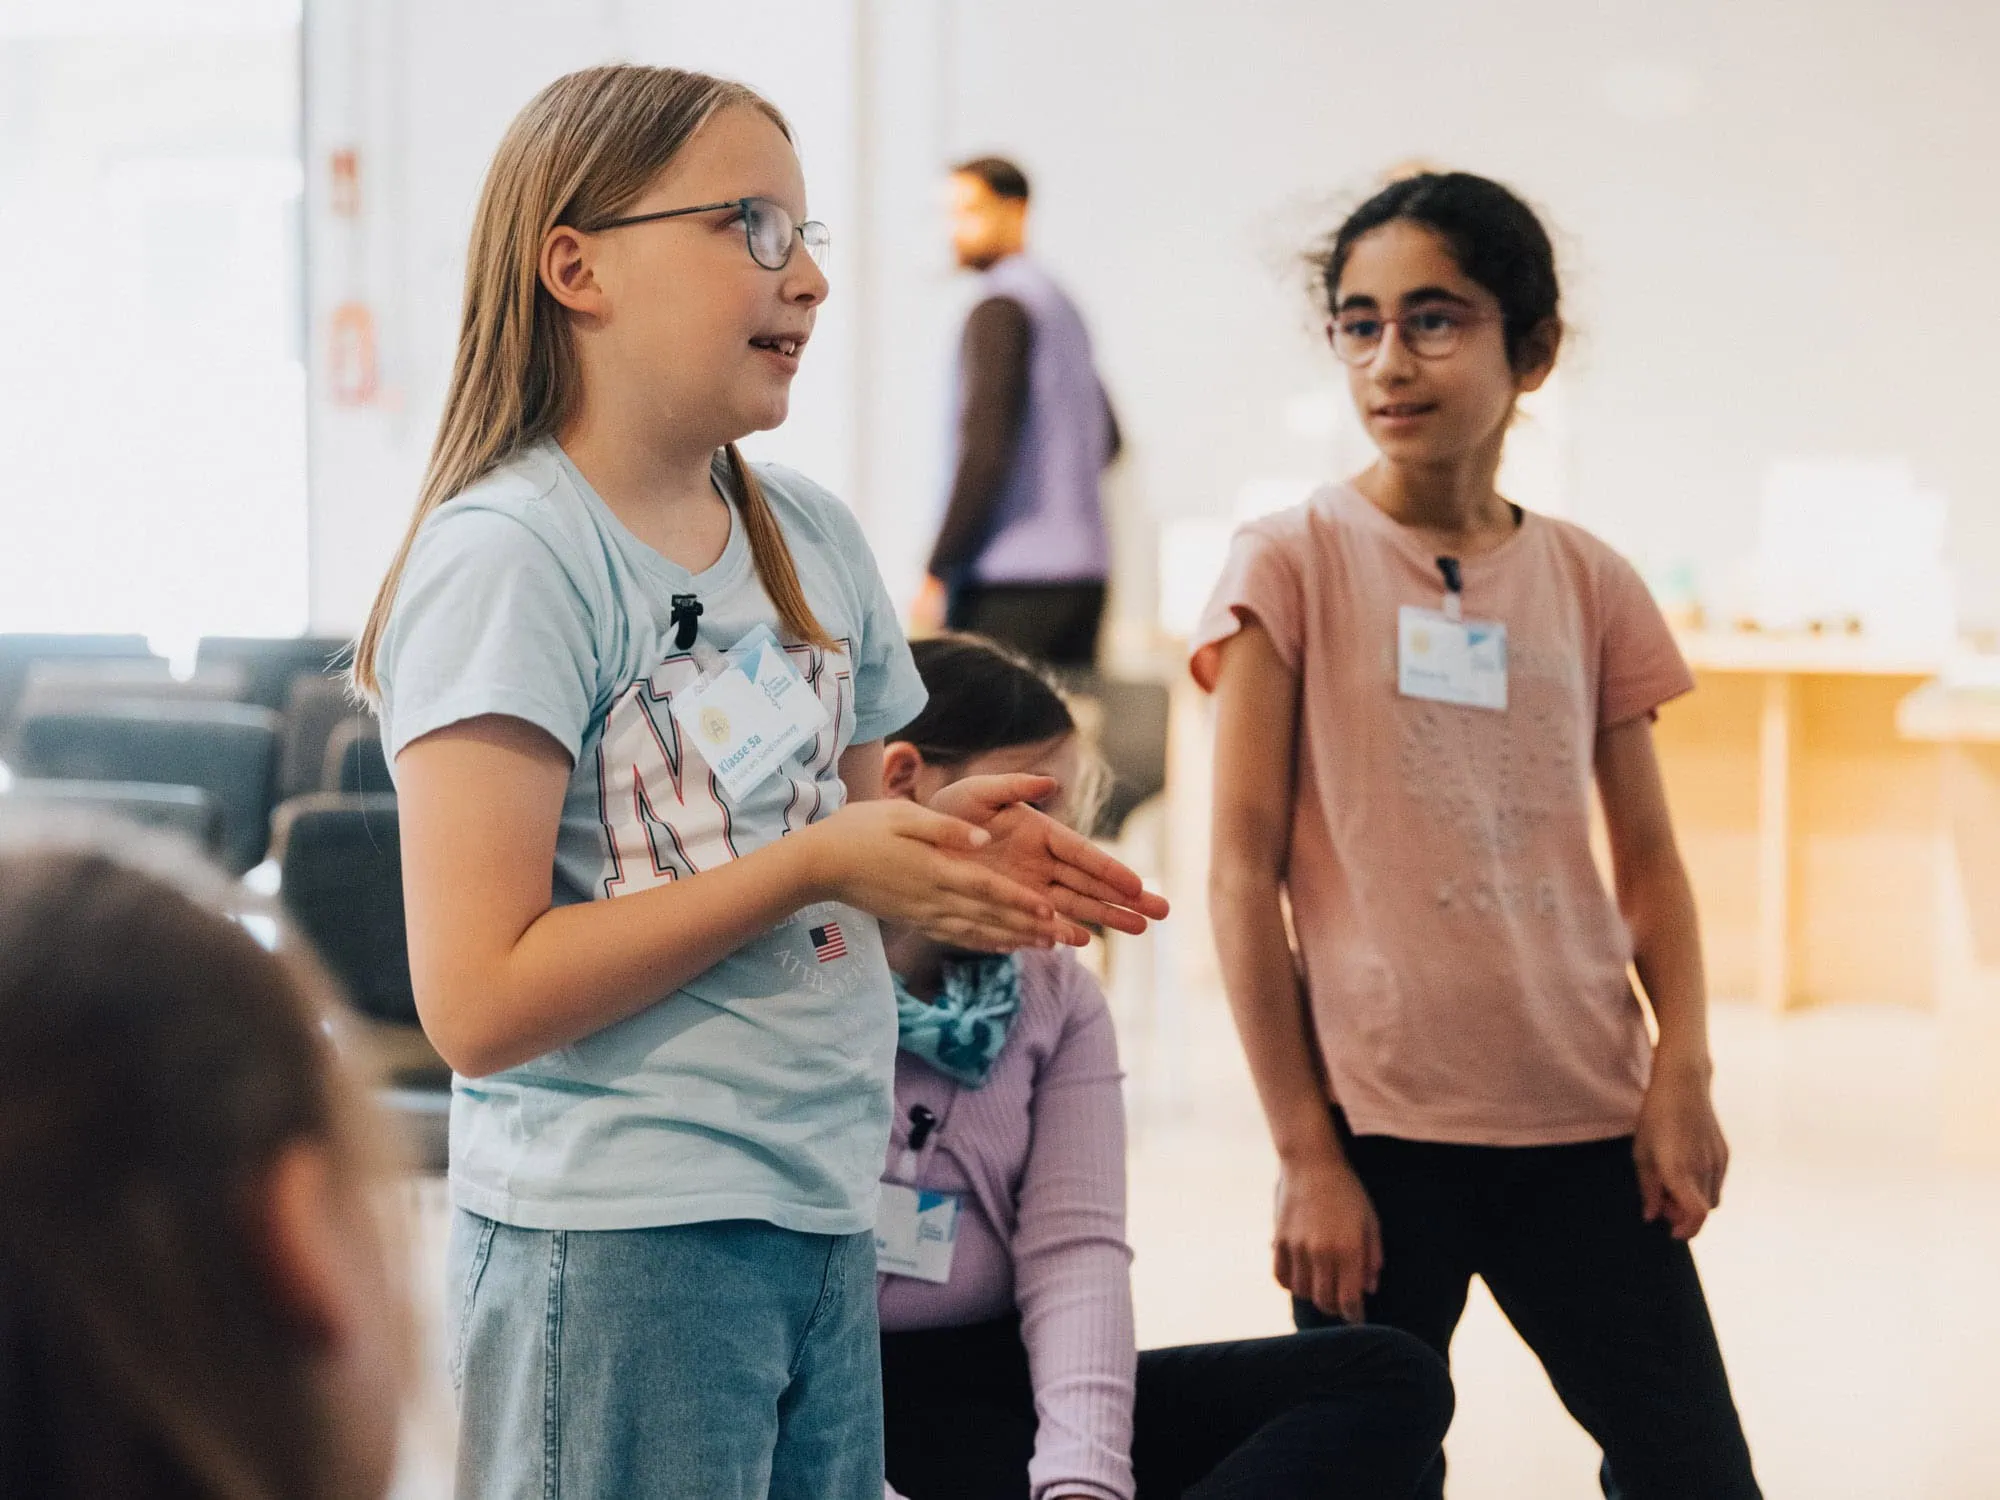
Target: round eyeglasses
x,y
1428,333
769,232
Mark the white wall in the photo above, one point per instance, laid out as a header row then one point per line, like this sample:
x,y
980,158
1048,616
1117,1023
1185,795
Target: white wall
x,y
1775,218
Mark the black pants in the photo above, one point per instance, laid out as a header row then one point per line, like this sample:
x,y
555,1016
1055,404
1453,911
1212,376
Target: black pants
x,y
1055,623
1356,1413
1611,1305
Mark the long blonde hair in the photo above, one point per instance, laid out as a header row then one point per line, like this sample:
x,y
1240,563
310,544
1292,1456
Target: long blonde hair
x,y
583,150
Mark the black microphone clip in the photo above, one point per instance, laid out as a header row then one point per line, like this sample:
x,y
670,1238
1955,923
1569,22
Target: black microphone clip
x,y
684,617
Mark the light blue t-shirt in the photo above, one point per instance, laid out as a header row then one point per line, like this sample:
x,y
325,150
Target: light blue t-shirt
x,y
761,1089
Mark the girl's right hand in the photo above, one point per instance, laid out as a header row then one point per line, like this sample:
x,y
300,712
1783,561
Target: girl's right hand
x,y
1082,881
906,864
1328,1244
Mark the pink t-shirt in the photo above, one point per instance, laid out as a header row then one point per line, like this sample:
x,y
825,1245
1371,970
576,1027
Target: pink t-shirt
x,y
1467,968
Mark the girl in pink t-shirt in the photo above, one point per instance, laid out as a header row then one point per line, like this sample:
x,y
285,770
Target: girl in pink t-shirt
x,y
1417,684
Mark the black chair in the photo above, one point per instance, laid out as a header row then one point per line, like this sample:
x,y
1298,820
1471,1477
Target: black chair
x,y
20,652
340,859
355,761
229,750
272,664
342,886
1134,717
85,686
423,1115
185,810
316,707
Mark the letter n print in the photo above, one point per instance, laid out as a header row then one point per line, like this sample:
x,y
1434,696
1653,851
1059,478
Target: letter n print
x,y
659,823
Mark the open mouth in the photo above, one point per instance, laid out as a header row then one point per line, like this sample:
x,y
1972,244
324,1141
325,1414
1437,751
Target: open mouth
x,y
1403,409
776,344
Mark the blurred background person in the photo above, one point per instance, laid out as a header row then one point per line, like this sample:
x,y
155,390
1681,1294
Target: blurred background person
x,y
1022,554
196,1296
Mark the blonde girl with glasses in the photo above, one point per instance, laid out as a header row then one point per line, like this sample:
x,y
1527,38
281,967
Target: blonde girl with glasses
x,y
634,691
1418,687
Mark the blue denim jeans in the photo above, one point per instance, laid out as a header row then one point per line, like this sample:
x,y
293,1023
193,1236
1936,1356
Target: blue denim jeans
x,y
722,1361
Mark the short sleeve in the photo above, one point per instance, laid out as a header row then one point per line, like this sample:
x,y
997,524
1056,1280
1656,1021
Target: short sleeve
x,y
1260,581
487,621
1640,666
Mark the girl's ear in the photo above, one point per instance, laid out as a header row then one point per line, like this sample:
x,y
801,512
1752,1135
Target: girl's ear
x,y
1538,355
565,270
902,764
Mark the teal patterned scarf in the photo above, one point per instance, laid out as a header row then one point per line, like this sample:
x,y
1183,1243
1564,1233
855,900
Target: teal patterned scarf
x,y
962,1031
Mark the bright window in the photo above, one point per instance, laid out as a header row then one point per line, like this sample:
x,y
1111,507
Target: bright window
x,y
152,378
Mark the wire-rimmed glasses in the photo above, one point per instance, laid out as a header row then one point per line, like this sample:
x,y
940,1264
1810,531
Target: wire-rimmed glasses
x,y
1428,332
769,230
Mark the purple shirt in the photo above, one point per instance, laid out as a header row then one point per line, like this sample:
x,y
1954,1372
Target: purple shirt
x,y
1039,1153
1048,523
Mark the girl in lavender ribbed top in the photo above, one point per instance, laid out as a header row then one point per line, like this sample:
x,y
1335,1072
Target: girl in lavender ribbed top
x,y
1017,1376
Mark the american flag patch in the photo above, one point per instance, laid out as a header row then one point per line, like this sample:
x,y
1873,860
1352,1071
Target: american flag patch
x,y
828,944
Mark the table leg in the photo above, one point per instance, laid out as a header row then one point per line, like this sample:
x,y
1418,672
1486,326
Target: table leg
x,y
1776,753
1968,965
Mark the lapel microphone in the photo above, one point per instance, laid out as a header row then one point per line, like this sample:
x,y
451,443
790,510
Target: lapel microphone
x,y
684,617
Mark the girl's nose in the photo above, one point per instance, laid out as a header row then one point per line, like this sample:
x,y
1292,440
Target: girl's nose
x,y
1393,358
805,283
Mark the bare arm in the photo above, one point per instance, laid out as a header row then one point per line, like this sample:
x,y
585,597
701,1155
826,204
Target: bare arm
x,y
1327,1247
1653,892
861,771
1681,1153
502,976
1256,704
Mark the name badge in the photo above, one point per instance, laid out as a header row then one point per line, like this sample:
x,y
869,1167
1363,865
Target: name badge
x,y
1451,661
916,1232
751,714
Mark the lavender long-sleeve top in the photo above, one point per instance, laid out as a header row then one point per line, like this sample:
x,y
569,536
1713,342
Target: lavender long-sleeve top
x,y
1039,1155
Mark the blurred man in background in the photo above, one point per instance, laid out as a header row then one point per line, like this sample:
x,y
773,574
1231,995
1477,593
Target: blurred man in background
x,y
1022,554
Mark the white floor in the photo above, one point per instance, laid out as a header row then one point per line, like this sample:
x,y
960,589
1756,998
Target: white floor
x,y
1854,1272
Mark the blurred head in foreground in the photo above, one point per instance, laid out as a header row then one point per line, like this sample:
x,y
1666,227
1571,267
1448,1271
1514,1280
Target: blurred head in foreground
x,y
196,1286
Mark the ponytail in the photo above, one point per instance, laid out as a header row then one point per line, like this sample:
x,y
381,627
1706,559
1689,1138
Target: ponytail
x,y
775,569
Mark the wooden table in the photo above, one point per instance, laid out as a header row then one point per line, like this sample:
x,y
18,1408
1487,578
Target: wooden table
x,y
1808,822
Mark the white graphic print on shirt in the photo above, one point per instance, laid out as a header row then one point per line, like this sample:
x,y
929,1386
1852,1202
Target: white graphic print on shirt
x,y
665,816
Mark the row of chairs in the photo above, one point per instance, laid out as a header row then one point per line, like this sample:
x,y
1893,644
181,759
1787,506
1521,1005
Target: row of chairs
x,y
264,666
258,751
228,765
258,722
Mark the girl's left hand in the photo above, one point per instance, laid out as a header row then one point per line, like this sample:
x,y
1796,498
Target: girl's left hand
x,y
1681,1155
1080,880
